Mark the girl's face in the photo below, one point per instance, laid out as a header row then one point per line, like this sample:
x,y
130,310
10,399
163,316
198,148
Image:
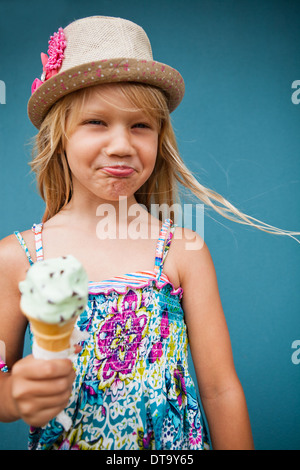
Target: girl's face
x,y
112,147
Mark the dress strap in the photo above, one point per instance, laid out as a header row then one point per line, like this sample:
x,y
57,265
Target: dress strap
x,y
163,245
37,230
24,246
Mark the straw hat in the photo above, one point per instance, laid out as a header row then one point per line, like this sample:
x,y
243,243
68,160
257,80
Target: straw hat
x,y
96,50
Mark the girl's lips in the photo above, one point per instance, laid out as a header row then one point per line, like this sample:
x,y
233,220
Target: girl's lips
x,y
118,170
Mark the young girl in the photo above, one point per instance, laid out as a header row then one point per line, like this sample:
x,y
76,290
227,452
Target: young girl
x,y
102,108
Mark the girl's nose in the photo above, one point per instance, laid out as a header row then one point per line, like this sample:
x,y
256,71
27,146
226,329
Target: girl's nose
x,y
119,143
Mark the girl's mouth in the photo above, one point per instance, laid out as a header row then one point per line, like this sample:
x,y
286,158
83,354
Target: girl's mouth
x,y
120,171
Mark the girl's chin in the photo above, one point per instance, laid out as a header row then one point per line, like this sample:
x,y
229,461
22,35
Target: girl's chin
x,y
115,197
108,191
117,192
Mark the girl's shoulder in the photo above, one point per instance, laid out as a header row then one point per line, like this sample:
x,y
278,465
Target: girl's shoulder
x,y
13,260
191,255
189,240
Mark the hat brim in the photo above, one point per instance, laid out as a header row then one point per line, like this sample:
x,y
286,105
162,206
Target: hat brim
x,y
105,71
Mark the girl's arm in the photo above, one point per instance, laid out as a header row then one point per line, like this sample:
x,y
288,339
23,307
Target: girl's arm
x,y
12,323
32,390
221,393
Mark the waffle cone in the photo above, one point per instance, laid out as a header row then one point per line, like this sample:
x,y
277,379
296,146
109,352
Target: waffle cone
x,y
52,337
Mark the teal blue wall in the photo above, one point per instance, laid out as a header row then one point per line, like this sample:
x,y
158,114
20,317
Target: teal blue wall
x,y
237,129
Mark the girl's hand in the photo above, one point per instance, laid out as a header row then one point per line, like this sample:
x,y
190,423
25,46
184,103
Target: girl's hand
x,y
40,389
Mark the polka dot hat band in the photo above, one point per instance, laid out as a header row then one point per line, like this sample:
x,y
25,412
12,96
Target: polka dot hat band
x,y
96,50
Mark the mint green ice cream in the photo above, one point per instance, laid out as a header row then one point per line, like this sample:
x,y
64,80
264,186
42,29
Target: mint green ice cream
x,y
55,290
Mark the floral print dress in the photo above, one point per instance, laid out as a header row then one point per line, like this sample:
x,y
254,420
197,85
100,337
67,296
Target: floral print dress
x,y
133,389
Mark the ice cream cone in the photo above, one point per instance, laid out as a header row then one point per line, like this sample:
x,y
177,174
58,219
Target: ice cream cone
x,y
52,337
53,295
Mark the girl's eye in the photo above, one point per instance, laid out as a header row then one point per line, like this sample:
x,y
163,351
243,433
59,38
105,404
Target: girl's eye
x,y
95,122
141,125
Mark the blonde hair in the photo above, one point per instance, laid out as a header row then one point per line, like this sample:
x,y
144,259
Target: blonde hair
x,y
54,178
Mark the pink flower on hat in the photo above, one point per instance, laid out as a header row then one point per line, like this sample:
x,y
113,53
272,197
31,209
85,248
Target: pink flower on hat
x,y
57,45
35,85
51,64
